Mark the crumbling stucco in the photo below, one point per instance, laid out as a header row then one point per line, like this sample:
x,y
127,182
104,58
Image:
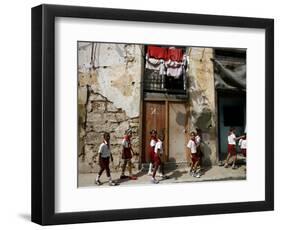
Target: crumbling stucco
x,y
202,100
115,74
109,79
108,99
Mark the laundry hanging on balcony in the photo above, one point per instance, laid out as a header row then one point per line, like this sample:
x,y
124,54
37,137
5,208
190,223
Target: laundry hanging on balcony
x,y
169,63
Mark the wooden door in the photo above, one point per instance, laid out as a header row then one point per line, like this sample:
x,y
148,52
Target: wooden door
x,y
177,135
153,118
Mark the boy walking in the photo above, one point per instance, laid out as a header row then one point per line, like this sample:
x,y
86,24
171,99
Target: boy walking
x,y
153,141
231,148
191,145
127,156
159,152
104,156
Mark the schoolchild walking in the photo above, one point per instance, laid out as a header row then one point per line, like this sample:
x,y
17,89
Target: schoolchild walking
x,y
198,141
158,162
243,145
191,145
231,148
104,157
152,143
127,156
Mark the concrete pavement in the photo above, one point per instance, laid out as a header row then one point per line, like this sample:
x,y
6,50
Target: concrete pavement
x,y
177,175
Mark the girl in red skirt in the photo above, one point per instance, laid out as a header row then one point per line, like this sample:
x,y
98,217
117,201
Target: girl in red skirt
x,y
231,147
158,154
153,141
127,155
191,145
243,145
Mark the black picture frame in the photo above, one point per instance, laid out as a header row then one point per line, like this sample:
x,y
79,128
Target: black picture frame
x,y
43,113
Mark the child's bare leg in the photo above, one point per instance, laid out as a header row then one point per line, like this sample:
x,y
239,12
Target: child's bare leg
x,y
234,161
130,167
156,166
227,159
124,167
192,167
195,165
150,168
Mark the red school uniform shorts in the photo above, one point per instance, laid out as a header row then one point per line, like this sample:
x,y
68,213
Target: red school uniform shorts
x,y
126,155
194,157
231,149
156,159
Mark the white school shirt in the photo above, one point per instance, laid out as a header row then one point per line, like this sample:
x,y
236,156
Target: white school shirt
x,y
198,140
192,145
152,143
159,145
231,139
243,144
125,143
104,151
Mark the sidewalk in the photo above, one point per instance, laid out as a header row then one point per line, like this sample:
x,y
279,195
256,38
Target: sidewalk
x,y
178,175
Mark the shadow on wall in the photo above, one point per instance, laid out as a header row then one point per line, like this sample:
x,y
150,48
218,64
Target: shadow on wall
x,y
170,165
206,161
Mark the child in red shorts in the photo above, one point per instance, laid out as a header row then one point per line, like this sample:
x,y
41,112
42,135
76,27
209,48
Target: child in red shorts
x,y
243,145
198,141
157,161
231,147
104,157
191,145
127,155
153,141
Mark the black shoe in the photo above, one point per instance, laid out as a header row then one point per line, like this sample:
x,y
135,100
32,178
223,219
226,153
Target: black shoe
x,y
98,182
123,177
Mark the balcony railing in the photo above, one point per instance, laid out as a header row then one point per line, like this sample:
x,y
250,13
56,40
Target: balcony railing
x,y
163,84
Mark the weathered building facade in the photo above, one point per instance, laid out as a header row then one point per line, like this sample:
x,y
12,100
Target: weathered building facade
x,y
116,92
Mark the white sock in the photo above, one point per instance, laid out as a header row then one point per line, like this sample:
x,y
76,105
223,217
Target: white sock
x,y
98,177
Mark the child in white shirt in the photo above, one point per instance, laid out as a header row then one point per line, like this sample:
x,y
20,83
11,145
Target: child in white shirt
x,y
231,147
104,157
159,152
243,145
191,145
153,141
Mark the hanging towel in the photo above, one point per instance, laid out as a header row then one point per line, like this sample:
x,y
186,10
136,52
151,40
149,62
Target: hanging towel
x,y
157,52
175,54
174,69
155,64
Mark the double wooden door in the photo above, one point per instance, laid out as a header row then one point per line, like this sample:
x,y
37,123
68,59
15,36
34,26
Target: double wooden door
x,y
154,118
168,118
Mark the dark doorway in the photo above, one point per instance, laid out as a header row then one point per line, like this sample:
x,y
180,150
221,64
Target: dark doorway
x,y
231,113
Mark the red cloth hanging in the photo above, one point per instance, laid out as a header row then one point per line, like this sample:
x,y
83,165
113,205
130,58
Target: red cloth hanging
x,y
175,54
157,52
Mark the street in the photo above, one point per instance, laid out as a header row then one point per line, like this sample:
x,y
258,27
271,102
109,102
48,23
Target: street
x,y
178,175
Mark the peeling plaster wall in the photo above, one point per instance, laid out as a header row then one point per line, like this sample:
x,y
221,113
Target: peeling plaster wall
x,y
178,124
202,100
116,73
108,99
